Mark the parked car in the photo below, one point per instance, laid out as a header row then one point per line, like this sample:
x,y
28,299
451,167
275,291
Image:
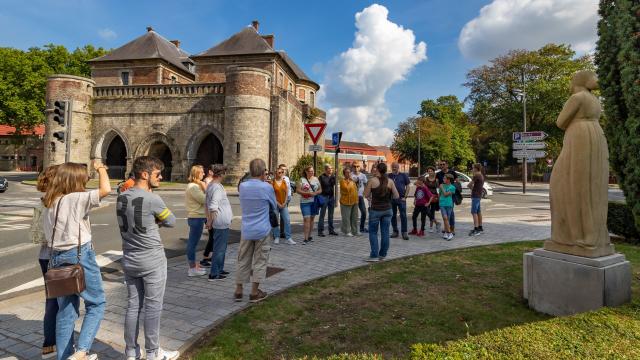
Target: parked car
x,y
487,190
4,184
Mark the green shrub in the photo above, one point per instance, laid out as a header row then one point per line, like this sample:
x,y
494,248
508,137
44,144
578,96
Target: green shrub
x,y
620,221
306,160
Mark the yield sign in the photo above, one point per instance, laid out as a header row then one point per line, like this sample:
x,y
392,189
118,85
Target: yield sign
x,y
315,130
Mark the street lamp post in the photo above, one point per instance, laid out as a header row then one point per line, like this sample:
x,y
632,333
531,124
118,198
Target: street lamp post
x,y
524,126
419,148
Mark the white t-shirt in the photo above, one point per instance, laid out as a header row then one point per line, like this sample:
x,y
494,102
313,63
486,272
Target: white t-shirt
x,y
74,213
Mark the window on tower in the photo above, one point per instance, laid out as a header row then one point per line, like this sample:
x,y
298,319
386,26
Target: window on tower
x,y
124,77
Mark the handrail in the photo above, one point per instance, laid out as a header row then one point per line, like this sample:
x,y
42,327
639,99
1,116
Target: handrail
x,y
160,89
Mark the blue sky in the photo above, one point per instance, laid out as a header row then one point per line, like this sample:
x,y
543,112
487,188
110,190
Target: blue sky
x,y
313,33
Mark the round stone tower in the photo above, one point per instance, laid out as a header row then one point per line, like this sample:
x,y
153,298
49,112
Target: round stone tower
x,y
247,115
78,91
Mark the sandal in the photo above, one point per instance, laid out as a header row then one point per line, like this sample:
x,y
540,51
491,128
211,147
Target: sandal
x,y
261,295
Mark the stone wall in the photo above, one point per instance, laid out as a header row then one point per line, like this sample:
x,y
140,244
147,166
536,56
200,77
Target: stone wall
x,y
176,120
288,131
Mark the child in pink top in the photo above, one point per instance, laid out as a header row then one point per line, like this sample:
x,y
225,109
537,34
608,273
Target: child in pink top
x,y
421,202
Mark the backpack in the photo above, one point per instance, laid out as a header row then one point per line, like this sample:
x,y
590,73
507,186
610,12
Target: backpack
x,y
457,196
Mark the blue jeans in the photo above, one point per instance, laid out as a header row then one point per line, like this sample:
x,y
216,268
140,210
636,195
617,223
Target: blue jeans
x,y
94,302
452,218
220,240
284,222
50,312
329,206
363,212
195,233
382,219
401,206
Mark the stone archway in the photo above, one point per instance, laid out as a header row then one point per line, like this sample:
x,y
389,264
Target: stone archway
x,y
205,147
163,147
116,158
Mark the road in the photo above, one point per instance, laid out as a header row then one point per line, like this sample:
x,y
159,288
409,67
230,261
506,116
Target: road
x,y
18,257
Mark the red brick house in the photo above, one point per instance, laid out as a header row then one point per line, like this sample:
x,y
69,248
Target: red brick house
x,y
22,151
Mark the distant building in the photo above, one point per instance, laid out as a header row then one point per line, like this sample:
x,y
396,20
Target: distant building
x,y
239,100
365,154
22,151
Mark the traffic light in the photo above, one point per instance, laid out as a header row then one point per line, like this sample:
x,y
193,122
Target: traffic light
x,y
59,135
60,112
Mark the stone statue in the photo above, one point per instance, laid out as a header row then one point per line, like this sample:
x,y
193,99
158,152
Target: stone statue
x,y
579,181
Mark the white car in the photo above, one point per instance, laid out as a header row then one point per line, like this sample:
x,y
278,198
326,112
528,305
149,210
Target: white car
x,y
487,190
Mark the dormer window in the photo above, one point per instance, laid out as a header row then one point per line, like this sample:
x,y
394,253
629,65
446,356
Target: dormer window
x,y
125,77
174,80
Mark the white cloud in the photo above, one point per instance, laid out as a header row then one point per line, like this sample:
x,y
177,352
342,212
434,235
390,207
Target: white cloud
x,y
107,34
529,24
356,81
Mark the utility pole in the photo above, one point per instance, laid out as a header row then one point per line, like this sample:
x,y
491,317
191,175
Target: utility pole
x,y
419,148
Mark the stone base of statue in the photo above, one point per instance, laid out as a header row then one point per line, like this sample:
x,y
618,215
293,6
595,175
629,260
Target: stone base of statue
x,y
562,284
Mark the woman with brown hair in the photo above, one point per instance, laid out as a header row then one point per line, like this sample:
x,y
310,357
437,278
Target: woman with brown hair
x,y
194,203
67,229
380,191
36,233
308,188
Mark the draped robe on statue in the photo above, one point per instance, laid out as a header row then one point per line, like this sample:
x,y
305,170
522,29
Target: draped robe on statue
x,y
579,180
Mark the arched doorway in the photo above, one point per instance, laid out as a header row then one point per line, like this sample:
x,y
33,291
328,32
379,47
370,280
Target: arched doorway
x,y
161,151
209,151
116,158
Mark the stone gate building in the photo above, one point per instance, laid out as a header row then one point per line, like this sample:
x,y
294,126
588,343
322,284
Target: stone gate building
x,y
239,100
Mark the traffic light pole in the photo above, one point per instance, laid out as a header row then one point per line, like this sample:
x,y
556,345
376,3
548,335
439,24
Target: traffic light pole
x,y
67,135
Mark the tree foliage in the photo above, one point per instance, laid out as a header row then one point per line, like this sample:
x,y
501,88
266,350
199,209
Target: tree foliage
x,y
445,133
618,60
496,101
23,77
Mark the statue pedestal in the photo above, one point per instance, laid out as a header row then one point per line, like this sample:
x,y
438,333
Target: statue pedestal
x,y
562,284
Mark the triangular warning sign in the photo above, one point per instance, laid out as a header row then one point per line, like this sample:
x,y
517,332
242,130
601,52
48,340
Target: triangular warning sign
x,y
315,131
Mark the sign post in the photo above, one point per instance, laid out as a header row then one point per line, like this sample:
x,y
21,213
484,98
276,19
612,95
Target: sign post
x,y
315,131
336,137
526,147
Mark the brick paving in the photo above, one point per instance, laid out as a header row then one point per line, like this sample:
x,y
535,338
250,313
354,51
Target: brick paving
x,y
193,305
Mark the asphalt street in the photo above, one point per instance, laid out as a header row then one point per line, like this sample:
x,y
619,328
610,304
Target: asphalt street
x,y
18,257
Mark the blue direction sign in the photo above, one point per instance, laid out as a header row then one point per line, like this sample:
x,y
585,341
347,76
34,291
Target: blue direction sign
x,y
335,138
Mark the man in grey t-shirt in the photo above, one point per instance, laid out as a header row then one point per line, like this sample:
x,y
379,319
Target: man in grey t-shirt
x,y
140,214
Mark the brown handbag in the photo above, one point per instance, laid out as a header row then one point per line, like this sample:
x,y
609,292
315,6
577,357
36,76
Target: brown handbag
x,y
64,280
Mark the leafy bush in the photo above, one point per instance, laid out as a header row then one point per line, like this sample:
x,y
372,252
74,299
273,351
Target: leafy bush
x,y
620,221
306,160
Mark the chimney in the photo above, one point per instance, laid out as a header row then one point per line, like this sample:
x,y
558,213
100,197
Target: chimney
x,y
176,43
268,39
255,24
149,28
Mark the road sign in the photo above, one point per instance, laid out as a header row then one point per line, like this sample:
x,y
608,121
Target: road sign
x,y
529,154
315,147
529,136
529,145
529,161
315,131
335,138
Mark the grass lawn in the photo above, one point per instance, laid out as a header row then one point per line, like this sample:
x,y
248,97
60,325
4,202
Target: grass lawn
x,y
388,307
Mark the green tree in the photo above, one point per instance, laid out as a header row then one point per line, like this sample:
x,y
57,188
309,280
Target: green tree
x,y
496,94
23,77
617,58
445,133
498,151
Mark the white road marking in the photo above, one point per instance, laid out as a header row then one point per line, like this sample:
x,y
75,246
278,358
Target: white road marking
x,y
17,248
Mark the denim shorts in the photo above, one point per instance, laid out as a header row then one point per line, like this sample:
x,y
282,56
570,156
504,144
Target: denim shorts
x,y
308,209
446,211
475,205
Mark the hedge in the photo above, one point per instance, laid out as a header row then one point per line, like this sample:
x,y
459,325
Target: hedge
x,y
620,221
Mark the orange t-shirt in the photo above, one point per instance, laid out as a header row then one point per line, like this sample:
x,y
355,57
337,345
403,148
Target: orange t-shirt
x,y
281,191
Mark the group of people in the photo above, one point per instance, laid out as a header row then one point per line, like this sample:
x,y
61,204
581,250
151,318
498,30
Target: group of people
x,y
61,225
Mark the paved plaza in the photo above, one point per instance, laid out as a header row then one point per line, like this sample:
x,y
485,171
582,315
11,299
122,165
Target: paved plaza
x,y
192,306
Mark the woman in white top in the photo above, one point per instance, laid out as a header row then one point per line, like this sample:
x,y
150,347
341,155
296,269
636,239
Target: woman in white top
x,y
308,188
194,204
67,229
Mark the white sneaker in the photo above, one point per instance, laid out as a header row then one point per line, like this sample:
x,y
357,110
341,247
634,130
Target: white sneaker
x,y
349,235
276,241
431,230
196,272
445,235
164,355
449,237
358,233
290,241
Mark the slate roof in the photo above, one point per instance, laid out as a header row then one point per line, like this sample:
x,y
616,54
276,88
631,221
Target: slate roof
x,y
249,42
245,42
149,46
